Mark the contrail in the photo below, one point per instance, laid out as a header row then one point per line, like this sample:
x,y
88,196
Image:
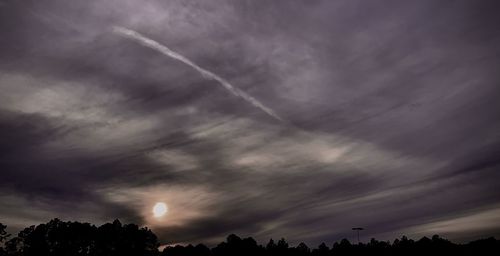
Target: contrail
x,y
125,32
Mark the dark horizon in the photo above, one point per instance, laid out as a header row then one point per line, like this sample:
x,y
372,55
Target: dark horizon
x,y
59,238
74,231
299,119
9,233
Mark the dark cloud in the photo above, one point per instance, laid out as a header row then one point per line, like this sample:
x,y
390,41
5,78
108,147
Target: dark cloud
x,y
390,117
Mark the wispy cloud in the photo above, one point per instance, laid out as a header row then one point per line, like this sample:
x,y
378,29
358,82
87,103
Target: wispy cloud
x,y
205,73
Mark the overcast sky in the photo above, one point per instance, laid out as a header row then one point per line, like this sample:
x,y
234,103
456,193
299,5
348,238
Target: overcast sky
x,y
387,117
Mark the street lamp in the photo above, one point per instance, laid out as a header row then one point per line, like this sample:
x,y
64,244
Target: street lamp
x,y
357,231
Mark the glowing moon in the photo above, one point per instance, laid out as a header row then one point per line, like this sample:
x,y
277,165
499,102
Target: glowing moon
x,y
159,209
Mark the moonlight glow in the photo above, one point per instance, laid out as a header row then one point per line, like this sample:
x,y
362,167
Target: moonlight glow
x,y
160,209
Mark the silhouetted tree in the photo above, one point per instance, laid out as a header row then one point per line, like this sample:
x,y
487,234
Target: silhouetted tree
x,y
234,245
58,238
178,250
342,248
3,237
33,241
282,244
271,245
488,246
13,247
322,250
70,238
117,239
202,250
3,233
301,250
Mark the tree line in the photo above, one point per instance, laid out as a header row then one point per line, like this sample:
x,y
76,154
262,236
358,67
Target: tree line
x,y
60,238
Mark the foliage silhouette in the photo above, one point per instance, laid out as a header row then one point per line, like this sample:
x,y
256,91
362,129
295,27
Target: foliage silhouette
x,y
3,233
60,238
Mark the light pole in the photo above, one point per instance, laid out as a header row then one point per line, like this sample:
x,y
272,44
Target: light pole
x,y
357,231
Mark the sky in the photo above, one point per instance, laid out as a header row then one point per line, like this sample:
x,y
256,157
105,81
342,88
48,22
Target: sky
x,y
270,119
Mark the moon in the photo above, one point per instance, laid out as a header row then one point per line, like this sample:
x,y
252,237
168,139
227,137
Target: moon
x,y
160,209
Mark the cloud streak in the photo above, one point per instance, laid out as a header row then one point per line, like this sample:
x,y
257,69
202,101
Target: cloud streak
x,y
131,34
